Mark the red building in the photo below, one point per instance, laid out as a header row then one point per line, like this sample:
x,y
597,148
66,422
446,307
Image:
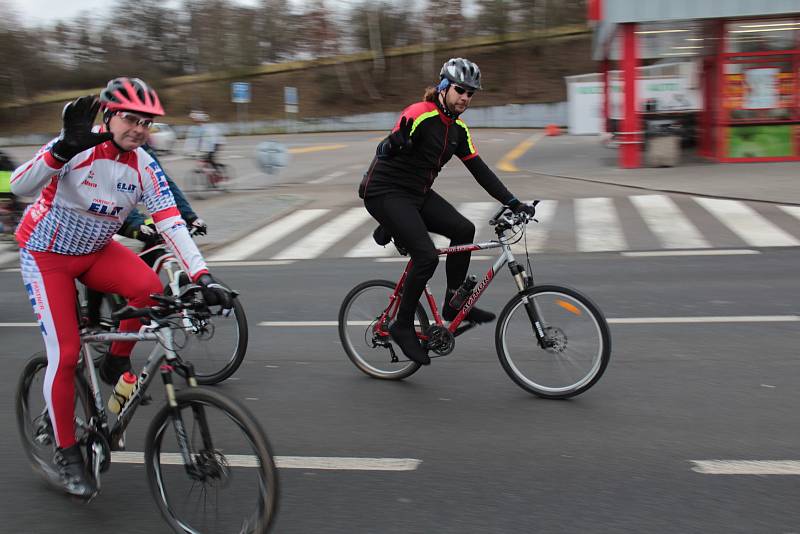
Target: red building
x,y
746,56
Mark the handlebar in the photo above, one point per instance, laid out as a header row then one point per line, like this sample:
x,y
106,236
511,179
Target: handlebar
x,y
190,298
504,218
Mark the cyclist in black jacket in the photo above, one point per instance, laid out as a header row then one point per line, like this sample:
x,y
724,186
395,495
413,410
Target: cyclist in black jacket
x,y
397,193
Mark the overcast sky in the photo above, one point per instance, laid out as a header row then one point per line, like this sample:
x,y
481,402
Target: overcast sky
x,y
49,11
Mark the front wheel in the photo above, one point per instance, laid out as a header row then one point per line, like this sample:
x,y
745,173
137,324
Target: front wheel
x,y
365,336
231,484
576,346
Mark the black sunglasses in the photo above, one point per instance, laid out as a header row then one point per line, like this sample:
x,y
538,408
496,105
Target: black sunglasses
x,y
460,90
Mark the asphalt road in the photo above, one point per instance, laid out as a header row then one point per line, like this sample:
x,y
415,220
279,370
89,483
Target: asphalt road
x,y
493,458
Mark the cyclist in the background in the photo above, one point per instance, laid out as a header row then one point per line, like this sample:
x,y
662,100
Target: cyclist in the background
x,y
397,193
88,179
203,140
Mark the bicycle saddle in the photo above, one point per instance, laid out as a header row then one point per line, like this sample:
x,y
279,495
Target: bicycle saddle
x,y
382,237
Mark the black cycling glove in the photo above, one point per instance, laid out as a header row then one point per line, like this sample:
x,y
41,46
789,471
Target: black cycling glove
x,y
215,294
518,207
77,135
401,138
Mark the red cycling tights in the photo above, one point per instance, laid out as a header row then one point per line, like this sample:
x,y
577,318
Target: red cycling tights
x,y
50,281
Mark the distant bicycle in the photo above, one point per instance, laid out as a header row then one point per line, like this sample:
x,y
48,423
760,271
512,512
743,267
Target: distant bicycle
x,y
207,176
551,340
209,465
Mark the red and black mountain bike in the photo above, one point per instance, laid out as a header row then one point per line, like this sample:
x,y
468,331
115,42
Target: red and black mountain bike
x,y
551,340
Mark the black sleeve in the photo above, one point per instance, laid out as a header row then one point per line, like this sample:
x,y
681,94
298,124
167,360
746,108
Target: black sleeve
x,y
488,179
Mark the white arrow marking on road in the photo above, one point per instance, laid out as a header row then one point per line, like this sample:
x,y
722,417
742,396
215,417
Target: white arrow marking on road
x,y
709,252
746,467
287,462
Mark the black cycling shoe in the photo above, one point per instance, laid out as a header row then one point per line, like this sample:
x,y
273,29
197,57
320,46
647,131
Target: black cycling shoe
x,y
72,471
113,367
406,339
475,315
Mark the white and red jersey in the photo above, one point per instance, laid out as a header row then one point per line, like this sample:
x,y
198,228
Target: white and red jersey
x,y
84,202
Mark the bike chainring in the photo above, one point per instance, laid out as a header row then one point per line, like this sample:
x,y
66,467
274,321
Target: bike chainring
x,y
440,340
97,450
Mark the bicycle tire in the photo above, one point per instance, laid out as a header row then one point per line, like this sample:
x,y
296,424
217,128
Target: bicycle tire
x,y
263,462
207,376
38,453
355,347
579,321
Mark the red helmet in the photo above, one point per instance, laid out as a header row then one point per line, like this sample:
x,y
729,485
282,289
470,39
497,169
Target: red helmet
x,y
130,94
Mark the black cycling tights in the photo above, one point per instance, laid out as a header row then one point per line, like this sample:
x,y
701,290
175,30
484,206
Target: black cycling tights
x,y
409,218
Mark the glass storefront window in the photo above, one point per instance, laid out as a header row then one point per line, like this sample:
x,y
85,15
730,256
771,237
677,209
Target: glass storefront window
x,y
761,35
759,90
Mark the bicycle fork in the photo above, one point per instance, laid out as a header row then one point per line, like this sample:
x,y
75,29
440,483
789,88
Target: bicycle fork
x,y
189,460
525,282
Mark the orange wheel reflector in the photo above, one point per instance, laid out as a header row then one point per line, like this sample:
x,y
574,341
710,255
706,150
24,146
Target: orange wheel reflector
x,y
569,307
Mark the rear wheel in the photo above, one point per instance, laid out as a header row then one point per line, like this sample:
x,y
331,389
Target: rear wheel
x,y
366,340
33,419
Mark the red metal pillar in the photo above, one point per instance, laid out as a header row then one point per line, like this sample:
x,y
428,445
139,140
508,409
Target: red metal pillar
x,y
630,155
605,65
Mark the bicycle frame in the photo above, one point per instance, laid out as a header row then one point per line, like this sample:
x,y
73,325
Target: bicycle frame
x,y
521,278
164,350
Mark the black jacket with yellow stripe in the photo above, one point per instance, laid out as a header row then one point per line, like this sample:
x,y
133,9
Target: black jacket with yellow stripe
x,y
435,138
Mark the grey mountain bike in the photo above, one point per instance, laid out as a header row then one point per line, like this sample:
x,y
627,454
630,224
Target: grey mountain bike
x,y
209,465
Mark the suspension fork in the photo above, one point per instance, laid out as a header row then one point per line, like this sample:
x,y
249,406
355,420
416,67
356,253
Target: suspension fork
x,y
177,420
525,282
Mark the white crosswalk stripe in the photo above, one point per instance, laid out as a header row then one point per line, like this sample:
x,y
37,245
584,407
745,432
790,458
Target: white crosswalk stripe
x,y
537,233
324,237
667,222
748,224
271,233
597,225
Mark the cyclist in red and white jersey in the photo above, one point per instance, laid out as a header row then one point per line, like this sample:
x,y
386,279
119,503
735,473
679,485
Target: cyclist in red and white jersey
x,y
89,179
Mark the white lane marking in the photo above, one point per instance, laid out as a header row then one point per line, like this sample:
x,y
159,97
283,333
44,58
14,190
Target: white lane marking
x,y
326,236
327,177
478,213
794,211
597,225
17,325
613,320
368,248
747,223
537,233
252,263
267,235
707,319
667,222
710,252
287,462
746,467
